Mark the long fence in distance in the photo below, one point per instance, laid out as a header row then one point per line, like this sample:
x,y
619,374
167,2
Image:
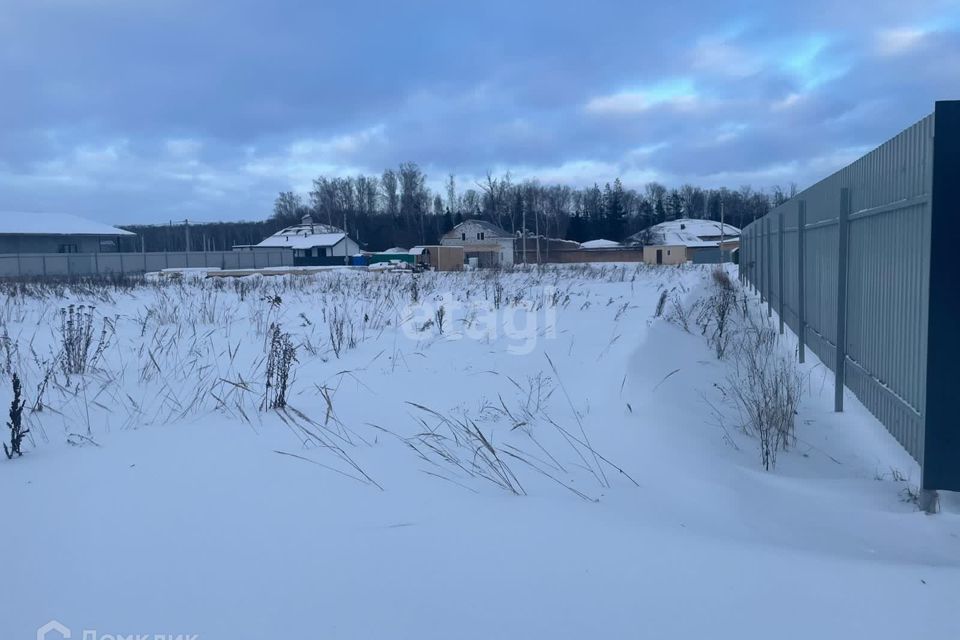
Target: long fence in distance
x,y
13,265
863,266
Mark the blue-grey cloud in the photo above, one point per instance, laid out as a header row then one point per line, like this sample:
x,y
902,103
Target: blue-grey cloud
x,y
156,110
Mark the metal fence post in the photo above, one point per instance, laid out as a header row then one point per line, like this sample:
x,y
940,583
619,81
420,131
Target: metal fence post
x,y
844,235
780,272
801,302
941,438
759,240
755,238
745,261
767,267
760,289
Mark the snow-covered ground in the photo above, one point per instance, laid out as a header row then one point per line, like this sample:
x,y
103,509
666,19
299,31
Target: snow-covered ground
x,y
555,463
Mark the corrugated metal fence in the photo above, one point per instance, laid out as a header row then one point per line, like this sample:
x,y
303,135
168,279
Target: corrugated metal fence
x,y
87,264
848,265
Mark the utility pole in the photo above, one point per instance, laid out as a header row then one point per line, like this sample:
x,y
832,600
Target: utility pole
x,y
186,234
536,226
523,231
721,232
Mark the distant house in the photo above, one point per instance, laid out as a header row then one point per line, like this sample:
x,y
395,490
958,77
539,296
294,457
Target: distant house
x,y
58,233
686,239
312,243
484,244
554,250
600,244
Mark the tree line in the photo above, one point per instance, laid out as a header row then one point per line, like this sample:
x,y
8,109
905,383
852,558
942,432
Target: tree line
x,y
397,208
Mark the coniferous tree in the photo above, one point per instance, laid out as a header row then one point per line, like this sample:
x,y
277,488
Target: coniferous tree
x,y
615,210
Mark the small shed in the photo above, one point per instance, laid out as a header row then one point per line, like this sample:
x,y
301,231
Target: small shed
x,y
440,257
665,254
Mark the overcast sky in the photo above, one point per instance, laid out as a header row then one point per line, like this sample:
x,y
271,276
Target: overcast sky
x,y
148,110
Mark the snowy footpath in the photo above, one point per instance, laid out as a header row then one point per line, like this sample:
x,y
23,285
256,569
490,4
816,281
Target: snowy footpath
x,y
528,454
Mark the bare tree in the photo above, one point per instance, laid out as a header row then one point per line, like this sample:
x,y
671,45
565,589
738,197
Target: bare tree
x,y
288,208
391,198
414,197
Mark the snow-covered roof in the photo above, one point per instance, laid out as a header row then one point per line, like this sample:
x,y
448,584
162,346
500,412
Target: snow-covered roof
x,y
599,244
305,236
303,242
699,228
689,232
488,227
54,224
680,238
393,250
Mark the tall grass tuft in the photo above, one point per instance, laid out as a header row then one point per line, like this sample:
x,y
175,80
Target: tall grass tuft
x,y
16,421
281,355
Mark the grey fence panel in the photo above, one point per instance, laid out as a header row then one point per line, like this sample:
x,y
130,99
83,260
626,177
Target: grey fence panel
x,y
886,308
79,263
790,264
87,264
9,264
30,266
110,263
704,256
133,263
773,240
155,261
57,265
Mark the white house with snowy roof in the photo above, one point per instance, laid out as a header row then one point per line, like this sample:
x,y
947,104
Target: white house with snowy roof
x,y
677,241
312,243
58,233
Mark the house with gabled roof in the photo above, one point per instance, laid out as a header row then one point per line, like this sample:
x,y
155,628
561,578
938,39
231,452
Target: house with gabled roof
x,y
484,243
312,243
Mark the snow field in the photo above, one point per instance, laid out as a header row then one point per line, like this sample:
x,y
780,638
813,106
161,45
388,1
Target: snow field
x,y
555,462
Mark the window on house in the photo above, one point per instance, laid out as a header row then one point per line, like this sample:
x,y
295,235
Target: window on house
x,y
483,235
463,236
668,251
67,248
